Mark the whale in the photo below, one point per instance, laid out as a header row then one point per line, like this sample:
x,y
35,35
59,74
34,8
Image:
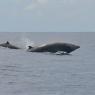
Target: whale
x,y
55,47
8,45
62,48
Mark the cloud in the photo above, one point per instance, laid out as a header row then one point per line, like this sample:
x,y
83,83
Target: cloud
x,y
36,4
47,15
69,1
40,6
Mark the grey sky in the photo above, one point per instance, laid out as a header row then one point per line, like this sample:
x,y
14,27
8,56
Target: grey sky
x,y
47,15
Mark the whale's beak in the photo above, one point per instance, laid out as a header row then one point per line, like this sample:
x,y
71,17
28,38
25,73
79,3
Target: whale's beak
x,y
77,47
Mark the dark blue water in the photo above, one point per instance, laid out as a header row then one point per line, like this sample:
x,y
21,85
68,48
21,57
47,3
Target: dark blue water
x,y
26,73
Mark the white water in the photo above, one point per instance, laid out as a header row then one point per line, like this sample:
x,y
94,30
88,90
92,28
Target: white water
x,y
27,42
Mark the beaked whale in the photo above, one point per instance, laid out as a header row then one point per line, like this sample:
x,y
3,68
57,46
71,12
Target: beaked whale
x,y
8,45
55,47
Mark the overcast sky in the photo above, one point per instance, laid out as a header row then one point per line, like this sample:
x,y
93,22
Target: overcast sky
x,y
47,15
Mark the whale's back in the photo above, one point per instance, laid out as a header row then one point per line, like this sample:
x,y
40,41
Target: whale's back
x,y
65,47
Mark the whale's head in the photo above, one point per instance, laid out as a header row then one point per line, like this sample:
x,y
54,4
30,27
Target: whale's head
x,y
71,47
74,47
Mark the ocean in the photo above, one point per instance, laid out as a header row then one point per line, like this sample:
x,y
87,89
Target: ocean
x,y
27,73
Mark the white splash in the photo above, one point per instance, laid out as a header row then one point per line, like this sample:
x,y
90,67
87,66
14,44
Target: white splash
x,y
27,42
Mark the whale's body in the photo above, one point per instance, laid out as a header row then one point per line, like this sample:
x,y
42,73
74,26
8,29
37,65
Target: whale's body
x,y
55,47
8,45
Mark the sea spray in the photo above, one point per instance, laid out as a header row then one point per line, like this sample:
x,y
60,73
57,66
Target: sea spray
x,y
27,42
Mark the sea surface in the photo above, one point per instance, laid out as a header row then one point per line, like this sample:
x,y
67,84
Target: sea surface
x,y
27,73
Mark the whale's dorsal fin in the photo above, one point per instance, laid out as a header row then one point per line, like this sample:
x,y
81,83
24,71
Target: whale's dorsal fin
x,y
7,43
30,47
